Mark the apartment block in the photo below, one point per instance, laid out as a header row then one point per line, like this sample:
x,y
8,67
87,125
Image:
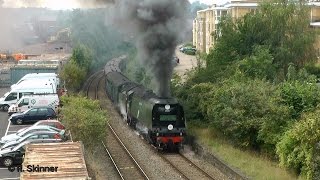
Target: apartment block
x,y
315,21
205,25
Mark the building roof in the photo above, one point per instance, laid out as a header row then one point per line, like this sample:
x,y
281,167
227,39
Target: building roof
x,y
241,4
67,156
315,24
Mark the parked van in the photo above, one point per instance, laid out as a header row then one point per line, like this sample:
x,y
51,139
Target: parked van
x,y
27,87
35,100
53,77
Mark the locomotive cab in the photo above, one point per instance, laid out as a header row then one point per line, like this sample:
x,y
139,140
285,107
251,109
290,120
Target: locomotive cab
x,y
168,125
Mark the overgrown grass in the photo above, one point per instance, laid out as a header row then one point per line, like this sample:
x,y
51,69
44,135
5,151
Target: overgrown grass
x,y
250,163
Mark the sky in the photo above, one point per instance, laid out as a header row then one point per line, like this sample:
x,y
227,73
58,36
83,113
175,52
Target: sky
x,y
65,4
209,2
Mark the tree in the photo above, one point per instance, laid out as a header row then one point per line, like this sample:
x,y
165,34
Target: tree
x,y
82,56
296,148
90,28
281,27
85,119
73,75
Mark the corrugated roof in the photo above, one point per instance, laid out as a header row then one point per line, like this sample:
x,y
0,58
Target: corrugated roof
x,y
67,156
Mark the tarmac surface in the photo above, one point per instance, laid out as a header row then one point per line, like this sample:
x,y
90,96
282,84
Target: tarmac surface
x,y
5,129
186,63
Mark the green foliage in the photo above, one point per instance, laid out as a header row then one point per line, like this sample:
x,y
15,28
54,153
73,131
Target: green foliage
x,y
137,73
259,64
85,119
195,99
297,145
256,87
196,6
88,27
299,97
73,75
82,56
276,35
313,69
240,108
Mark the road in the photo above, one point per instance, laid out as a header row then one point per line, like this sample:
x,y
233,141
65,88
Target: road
x,y
6,128
187,62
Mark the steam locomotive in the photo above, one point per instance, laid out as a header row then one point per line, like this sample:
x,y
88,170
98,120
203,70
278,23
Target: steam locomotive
x,y
159,120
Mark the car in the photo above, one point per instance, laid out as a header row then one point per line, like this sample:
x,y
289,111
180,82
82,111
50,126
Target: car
x,y
33,115
24,132
49,122
14,155
44,136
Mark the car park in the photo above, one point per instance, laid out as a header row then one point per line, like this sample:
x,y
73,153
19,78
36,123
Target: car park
x,y
24,132
42,136
49,122
34,100
33,115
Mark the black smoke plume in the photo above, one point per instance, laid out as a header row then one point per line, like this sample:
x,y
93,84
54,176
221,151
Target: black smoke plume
x,y
158,25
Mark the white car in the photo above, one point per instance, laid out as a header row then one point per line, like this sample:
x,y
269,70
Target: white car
x,y
24,132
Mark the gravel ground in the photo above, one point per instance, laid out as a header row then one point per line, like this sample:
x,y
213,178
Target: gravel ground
x,y
151,162
206,166
153,165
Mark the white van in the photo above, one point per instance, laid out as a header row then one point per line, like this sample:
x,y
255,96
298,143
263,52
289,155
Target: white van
x,y
50,76
36,100
27,87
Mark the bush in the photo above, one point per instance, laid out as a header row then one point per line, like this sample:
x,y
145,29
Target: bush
x,y
85,119
246,113
299,97
313,69
296,147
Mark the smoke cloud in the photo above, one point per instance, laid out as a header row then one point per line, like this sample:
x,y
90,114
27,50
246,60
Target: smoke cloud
x,y
55,4
158,25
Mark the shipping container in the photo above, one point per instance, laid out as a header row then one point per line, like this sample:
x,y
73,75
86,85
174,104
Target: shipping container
x,y
17,72
62,160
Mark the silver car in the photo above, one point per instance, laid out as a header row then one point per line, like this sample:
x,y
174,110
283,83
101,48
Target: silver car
x,y
24,132
39,136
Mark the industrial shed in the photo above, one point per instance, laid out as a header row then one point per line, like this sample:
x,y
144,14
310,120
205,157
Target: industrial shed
x,y
63,160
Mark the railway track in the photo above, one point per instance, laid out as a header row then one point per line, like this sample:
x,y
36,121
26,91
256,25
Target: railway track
x,y
185,167
125,164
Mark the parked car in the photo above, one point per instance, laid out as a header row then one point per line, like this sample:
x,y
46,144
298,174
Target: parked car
x,y
33,115
189,51
24,132
49,122
43,136
14,155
